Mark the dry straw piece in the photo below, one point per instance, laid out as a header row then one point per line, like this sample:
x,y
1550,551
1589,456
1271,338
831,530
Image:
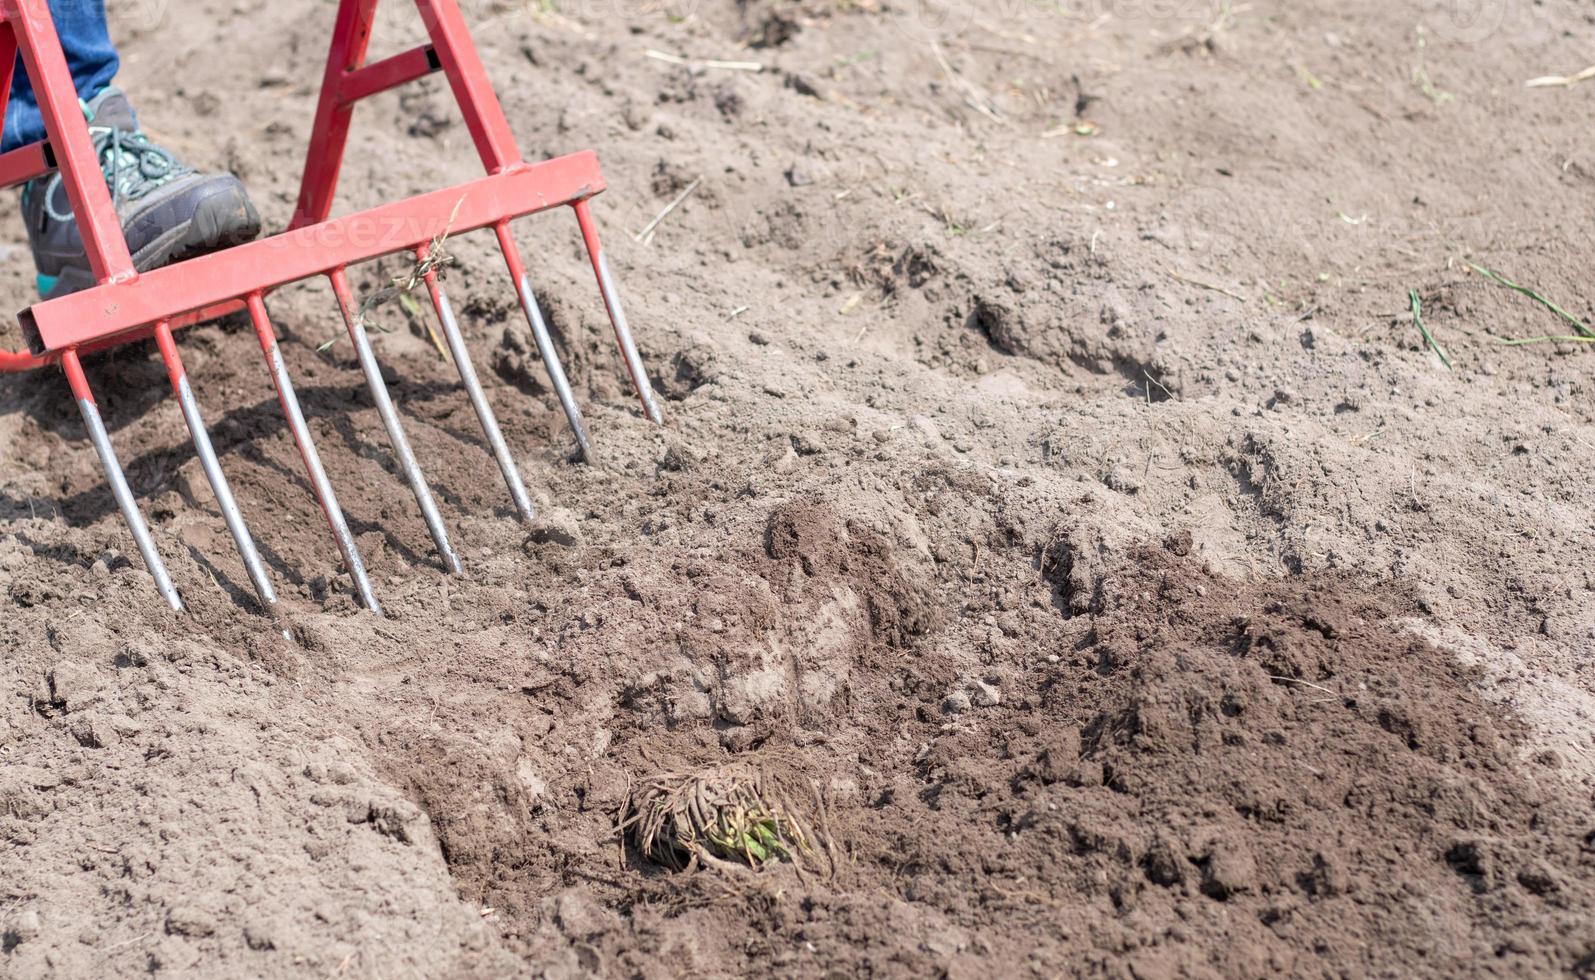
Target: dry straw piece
x,y
733,813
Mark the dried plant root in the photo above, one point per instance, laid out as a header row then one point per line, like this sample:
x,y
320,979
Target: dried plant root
x,y
731,813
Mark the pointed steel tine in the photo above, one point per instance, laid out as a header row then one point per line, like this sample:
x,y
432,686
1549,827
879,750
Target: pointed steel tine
x,y
307,450
212,466
617,316
113,473
390,419
545,342
473,388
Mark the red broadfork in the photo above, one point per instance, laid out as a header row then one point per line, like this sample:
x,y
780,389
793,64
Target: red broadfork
x,y
127,305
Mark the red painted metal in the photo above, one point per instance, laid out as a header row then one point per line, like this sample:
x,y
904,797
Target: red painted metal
x,y
68,131
484,117
24,163
75,377
329,134
387,73
8,65
116,308
14,361
168,348
125,305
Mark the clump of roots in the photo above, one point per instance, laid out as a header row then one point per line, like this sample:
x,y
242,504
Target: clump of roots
x,y
733,813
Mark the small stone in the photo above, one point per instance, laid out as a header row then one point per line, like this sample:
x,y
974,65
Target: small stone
x,y
786,462
1180,542
23,926
94,733
675,459
187,920
1163,864
556,526
955,703
124,726
1230,869
1325,879
258,936
1538,878
74,685
798,177
807,443
1059,758
758,339
1122,479
985,695
536,787
340,773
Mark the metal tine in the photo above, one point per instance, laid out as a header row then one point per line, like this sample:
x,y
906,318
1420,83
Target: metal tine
x,y
617,316
545,342
212,466
307,450
390,419
473,387
113,473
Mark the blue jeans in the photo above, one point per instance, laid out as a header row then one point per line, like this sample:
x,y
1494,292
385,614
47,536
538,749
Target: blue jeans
x,y
89,53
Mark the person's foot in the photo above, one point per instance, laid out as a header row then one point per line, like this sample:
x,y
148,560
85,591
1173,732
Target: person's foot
x,y
169,212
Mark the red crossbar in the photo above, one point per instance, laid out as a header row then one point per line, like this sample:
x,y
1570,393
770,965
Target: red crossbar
x,y
116,308
387,73
25,163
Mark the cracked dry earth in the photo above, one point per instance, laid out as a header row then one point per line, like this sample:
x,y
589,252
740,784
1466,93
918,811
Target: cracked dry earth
x,y
1053,480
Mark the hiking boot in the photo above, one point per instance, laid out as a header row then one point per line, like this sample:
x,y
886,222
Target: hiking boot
x,y
169,212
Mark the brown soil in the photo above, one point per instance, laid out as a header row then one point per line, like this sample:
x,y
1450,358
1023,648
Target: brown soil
x,y
1053,479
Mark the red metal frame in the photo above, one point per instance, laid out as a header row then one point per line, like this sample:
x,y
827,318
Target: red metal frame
x,y
351,34
126,305
112,309
68,137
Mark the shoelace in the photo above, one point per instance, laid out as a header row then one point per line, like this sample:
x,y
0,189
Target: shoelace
x,y
133,166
